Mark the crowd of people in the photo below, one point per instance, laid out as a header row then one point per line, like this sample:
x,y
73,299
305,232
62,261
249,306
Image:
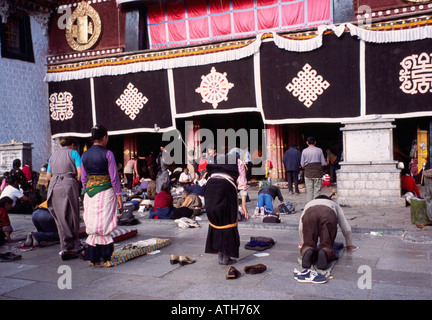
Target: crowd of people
x,y
94,178
219,183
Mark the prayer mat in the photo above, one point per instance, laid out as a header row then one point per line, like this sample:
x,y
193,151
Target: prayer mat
x,y
118,234
136,249
339,249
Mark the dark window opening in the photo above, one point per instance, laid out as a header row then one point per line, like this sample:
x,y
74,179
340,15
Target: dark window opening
x,y
16,40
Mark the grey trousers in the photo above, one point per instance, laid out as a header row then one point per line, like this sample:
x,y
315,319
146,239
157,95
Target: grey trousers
x,y
313,188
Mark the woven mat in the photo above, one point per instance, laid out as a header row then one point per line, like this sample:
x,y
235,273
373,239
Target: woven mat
x,y
125,254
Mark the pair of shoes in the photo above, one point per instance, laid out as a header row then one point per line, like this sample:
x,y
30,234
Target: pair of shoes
x,y
9,256
232,273
307,259
309,276
254,269
322,262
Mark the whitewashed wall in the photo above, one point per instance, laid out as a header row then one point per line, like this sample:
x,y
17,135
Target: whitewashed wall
x,y
24,113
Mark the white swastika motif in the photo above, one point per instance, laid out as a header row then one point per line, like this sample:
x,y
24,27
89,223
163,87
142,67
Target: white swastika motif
x,y
214,87
131,101
307,86
61,106
416,74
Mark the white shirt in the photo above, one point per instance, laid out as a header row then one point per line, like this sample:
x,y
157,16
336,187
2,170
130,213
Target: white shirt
x,y
185,177
12,193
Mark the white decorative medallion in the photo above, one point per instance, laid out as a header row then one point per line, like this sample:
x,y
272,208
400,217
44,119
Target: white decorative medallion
x,y
131,101
214,87
416,74
307,86
61,106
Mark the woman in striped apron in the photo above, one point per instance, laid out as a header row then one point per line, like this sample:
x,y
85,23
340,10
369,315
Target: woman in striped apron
x,y
102,197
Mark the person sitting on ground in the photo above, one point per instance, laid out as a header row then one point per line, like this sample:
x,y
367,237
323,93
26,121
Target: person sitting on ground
x,y
408,183
5,224
266,196
319,223
190,200
185,178
163,205
21,203
19,174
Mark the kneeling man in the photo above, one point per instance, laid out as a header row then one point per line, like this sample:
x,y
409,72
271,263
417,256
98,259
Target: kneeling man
x,y
320,220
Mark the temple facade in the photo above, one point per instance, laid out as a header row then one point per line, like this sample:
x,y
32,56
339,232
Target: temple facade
x,y
277,71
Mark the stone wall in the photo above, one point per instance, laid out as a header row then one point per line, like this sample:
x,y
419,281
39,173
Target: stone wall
x,y
363,185
24,100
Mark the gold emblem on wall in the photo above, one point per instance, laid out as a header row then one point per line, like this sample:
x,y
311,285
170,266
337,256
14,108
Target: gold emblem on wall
x,y
85,28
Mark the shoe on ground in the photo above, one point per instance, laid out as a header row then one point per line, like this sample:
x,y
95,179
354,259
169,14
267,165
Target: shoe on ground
x,y
9,256
307,259
300,273
183,260
174,258
311,277
232,273
69,255
254,269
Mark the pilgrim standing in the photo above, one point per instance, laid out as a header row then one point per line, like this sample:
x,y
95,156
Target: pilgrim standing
x,y
313,161
102,197
221,206
64,174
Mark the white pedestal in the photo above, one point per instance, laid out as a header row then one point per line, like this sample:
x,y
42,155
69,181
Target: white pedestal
x,y
14,150
368,175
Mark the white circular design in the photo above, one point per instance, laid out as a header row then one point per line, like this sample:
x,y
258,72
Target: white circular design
x,y
214,87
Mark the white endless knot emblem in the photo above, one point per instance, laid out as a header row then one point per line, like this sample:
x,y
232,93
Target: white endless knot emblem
x,y
307,86
131,101
214,87
61,106
416,74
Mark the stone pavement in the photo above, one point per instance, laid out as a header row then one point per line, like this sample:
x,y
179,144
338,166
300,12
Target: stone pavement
x,y
396,264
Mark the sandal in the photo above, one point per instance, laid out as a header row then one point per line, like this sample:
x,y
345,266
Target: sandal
x,y
232,273
9,256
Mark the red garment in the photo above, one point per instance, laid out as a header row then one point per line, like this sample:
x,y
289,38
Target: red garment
x,y
408,183
202,165
162,200
4,218
27,172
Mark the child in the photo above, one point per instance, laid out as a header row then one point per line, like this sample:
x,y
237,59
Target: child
x,y
5,225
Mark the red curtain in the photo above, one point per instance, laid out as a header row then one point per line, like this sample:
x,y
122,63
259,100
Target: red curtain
x,y
194,21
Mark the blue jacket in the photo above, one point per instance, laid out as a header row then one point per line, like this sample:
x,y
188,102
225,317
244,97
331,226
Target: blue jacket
x,y
291,159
